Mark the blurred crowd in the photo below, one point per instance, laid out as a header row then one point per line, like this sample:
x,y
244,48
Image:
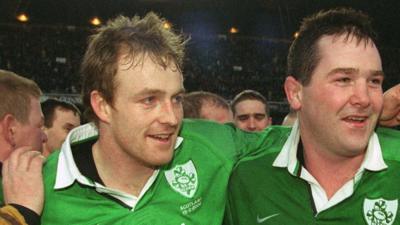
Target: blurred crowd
x,y
222,64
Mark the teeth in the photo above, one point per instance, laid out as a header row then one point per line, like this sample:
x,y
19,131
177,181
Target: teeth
x,y
161,136
356,118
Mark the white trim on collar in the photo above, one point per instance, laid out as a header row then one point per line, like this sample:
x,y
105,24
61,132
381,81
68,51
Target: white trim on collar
x,y
373,159
67,171
288,155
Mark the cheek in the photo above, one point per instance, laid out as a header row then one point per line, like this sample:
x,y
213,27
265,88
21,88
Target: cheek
x,y
331,100
179,113
264,122
377,101
242,122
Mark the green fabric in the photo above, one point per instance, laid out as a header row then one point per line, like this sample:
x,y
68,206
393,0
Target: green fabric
x,y
259,193
213,149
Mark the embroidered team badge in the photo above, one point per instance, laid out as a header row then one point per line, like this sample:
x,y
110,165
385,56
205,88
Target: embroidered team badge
x,y
183,179
380,211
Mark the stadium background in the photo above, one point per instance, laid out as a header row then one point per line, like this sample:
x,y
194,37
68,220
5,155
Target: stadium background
x,y
48,48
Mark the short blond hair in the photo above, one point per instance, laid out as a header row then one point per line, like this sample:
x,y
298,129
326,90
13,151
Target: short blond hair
x,y
16,93
135,37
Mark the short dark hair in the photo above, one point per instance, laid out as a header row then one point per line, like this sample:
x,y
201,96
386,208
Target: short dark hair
x,y
303,54
193,102
134,37
249,95
49,107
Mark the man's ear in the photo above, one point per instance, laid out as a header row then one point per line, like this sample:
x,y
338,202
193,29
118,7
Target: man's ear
x,y
100,106
9,126
293,90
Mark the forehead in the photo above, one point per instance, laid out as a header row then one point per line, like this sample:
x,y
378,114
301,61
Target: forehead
x,y
214,112
250,106
65,114
35,113
144,73
348,52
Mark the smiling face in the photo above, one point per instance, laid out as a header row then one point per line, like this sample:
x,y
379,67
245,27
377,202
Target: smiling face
x,y
145,117
339,108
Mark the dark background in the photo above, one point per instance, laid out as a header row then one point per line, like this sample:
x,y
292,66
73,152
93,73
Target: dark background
x,y
58,30
271,18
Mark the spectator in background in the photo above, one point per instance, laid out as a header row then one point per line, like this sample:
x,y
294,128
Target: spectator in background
x,y
206,105
60,118
21,139
250,111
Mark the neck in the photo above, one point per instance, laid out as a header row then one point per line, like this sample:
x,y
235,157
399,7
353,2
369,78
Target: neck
x,y
112,162
331,171
5,150
46,151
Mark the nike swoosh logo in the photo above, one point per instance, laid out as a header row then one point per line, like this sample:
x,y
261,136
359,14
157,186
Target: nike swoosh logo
x,y
262,220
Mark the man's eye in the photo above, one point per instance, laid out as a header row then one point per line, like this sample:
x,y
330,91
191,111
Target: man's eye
x,y
243,118
178,99
376,81
149,100
260,116
343,80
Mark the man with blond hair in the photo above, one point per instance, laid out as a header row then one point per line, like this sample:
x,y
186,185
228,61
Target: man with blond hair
x,y
21,139
206,105
137,163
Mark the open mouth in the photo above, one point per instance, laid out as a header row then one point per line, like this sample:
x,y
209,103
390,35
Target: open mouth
x,y
161,137
357,120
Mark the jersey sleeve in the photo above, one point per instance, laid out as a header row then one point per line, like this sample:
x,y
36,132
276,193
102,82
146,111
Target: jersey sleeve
x,y
389,139
251,144
230,144
9,215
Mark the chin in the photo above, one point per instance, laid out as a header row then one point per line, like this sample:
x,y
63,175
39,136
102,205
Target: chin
x,y
162,159
357,149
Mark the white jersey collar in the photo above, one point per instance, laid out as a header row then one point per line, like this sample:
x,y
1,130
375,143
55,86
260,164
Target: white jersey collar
x,y
287,158
68,173
373,159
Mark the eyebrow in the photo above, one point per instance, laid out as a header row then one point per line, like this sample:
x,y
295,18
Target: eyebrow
x,y
69,125
251,114
350,70
148,91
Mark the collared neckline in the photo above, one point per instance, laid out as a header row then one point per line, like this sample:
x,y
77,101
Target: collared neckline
x,y
287,158
68,172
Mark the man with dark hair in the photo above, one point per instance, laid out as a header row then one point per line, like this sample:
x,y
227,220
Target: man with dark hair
x,y
138,163
333,168
21,139
60,118
206,105
250,111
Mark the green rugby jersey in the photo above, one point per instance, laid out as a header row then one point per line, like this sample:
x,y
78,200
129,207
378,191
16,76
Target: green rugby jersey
x,y
262,191
191,189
